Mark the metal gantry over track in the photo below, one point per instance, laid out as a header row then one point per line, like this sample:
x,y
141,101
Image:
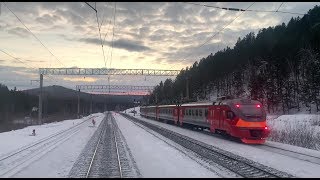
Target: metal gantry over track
x,y
100,71
116,87
106,71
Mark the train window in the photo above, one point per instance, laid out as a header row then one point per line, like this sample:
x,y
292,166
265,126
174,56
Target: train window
x,y
230,115
190,112
200,112
206,112
196,112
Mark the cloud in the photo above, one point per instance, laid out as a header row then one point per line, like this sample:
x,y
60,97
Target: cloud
x,y
73,18
165,31
48,19
77,79
40,61
126,44
22,32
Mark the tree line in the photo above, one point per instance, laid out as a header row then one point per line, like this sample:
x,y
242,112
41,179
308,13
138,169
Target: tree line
x,y
18,105
280,67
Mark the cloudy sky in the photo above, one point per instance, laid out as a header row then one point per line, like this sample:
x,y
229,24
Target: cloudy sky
x,y
155,35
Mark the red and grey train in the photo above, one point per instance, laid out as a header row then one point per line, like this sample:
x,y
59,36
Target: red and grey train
x,y
241,118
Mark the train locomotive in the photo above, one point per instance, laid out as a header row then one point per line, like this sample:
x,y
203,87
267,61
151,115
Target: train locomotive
x,y
244,119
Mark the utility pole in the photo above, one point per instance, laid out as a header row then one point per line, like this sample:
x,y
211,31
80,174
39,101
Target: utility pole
x,y
91,105
78,103
134,107
105,104
40,101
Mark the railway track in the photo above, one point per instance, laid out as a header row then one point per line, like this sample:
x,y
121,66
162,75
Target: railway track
x,y
14,162
290,153
106,155
105,161
239,165
275,149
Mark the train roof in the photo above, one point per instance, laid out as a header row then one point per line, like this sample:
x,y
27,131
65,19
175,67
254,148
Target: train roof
x,y
148,106
209,103
199,104
221,102
167,106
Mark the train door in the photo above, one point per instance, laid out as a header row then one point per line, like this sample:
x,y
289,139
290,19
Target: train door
x,y
181,115
175,114
222,119
216,117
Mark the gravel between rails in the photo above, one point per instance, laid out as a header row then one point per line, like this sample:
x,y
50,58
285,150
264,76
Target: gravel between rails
x,y
110,158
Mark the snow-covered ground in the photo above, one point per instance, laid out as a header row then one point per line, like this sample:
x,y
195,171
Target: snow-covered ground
x,y
154,157
301,130
282,160
57,159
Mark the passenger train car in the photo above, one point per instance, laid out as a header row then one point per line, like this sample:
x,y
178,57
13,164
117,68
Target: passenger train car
x,y
241,118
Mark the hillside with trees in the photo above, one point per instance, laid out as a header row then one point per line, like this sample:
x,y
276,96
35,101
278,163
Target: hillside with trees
x,y
59,103
280,66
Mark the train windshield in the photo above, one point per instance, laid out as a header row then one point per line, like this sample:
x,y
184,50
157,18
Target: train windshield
x,y
251,110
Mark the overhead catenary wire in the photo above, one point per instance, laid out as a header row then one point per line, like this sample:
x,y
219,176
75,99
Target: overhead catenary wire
x,y
32,33
104,58
279,7
237,9
24,63
103,17
95,9
114,22
209,39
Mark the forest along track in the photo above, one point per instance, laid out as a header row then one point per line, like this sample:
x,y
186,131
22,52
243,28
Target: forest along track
x,y
14,162
105,155
237,164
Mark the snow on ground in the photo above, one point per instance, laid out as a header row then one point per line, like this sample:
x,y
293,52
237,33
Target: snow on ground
x,y
278,161
58,161
154,157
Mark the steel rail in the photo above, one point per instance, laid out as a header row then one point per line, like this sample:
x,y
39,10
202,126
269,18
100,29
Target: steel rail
x,y
94,154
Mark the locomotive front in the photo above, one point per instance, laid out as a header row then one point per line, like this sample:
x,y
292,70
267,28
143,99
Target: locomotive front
x,y
250,121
